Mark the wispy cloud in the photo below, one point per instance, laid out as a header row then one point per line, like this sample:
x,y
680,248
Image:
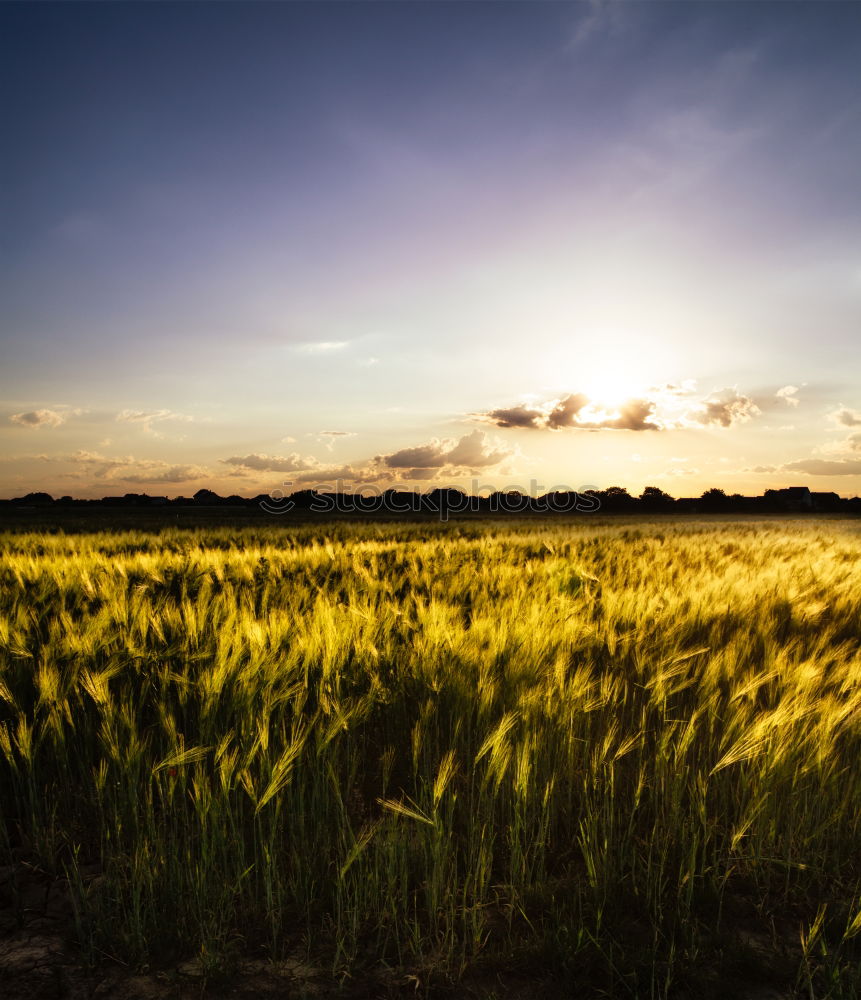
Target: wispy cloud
x,y
788,394
322,346
598,18
168,474
148,418
328,438
273,463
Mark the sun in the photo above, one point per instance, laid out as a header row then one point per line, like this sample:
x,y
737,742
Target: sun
x,y
609,367
608,389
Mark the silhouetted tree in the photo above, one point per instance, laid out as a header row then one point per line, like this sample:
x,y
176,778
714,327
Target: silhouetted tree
x,y
616,498
653,498
714,499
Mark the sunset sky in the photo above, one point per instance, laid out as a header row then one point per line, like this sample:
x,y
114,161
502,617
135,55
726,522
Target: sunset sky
x,y
426,244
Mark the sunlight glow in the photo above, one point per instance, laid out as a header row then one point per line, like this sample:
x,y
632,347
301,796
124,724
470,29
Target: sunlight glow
x,y
610,367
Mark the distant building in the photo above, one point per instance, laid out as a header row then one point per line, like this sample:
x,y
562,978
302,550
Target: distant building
x,y
826,501
791,498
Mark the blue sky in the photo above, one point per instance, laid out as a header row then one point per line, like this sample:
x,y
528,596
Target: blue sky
x,y
378,243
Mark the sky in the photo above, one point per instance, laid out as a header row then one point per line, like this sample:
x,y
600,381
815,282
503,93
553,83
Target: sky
x,y
252,247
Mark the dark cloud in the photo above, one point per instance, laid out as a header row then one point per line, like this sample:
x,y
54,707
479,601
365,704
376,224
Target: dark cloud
x,y
662,407
424,456
564,413
847,417
572,411
515,416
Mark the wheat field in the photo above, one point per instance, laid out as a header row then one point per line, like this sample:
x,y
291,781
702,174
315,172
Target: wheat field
x,y
622,755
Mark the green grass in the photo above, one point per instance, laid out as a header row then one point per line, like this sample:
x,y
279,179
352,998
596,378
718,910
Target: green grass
x,y
612,753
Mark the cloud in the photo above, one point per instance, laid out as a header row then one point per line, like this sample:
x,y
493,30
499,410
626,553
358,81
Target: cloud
x,y
635,415
515,416
725,408
476,451
688,387
601,17
42,418
473,450
564,413
330,474
575,410
322,346
170,474
146,418
328,438
661,407
306,469
676,472
847,417
834,458
423,456
142,416
128,469
788,395
826,467
273,463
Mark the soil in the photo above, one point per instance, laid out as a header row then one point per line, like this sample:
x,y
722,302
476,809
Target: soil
x,y
40,960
